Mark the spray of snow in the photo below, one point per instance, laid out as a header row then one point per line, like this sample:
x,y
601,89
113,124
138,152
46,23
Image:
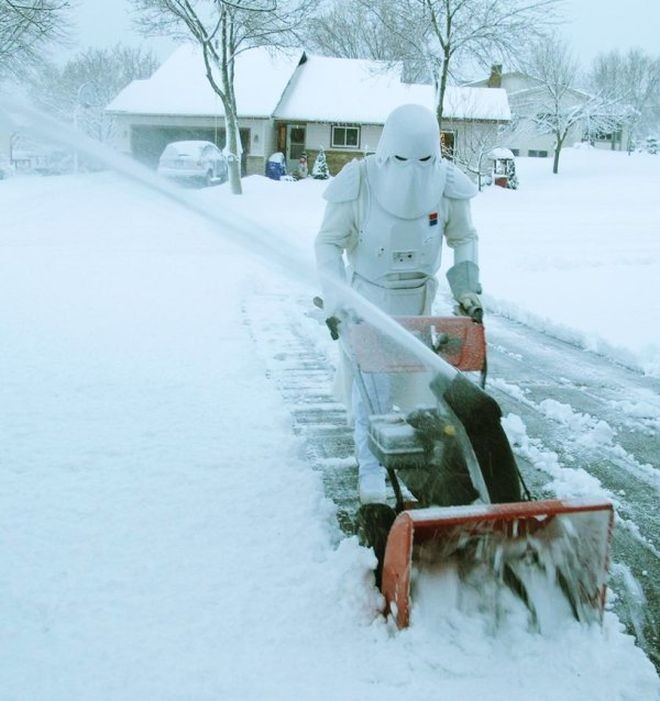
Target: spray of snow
x,y
633,594
555,566
266,243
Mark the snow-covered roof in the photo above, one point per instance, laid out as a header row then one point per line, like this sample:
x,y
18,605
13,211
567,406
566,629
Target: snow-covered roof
x,y
327,89
476,103
543,90
501,153
521,84
294,86
180,85
483,82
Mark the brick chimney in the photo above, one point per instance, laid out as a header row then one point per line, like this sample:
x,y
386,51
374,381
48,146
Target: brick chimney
x,y
495,78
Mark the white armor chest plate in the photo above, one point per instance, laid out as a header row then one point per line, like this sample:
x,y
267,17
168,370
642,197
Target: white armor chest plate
x,y
395,252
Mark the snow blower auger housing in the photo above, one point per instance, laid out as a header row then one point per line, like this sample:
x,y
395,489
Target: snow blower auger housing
x,y
566,542
455,459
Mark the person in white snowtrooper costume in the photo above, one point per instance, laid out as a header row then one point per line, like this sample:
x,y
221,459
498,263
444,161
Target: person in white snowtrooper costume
x,y
389,212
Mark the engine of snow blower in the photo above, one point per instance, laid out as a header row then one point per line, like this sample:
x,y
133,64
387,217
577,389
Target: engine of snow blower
x,y
425,450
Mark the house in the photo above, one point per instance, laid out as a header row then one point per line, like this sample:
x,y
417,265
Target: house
x,y
177,103
347,119
525,96
289,101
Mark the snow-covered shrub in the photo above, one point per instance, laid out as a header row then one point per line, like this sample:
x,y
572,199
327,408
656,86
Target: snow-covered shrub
x,y
320,170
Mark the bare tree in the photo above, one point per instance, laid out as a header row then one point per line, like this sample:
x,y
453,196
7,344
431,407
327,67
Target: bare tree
x,y
556,105
26,26
350,29
224,29
442,34
81,90
478,141
479,129
633,80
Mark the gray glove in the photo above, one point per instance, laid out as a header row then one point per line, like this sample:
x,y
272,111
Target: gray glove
x,y
464,283
469,304
332,322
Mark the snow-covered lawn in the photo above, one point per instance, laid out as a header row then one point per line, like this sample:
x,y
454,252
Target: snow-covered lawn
x,y
161,536
578,253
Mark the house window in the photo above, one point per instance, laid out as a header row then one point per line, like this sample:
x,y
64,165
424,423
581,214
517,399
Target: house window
x,y
344,136
602,135
532,153
500,167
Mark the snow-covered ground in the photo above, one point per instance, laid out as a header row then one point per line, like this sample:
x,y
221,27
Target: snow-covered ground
x,y
578,253
161,534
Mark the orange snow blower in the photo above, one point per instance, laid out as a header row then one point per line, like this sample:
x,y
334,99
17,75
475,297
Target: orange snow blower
x,y
468,507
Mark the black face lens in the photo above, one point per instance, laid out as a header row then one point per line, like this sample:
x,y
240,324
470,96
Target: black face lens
x,y
400,158
426,158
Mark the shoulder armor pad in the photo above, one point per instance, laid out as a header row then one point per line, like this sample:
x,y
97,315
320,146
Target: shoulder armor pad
x,y
458,185
345,186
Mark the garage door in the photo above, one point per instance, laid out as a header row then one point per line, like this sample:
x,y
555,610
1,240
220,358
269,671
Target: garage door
x,y
148,142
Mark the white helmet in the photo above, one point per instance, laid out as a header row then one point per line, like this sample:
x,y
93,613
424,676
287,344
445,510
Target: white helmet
x,y
407,174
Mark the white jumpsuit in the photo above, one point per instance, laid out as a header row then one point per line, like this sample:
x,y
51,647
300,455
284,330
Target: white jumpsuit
x,y
392,261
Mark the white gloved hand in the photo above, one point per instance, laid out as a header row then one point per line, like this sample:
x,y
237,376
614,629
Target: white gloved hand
x,y
470,305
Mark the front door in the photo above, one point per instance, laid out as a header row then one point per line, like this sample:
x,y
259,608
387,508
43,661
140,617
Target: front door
x,y
295,145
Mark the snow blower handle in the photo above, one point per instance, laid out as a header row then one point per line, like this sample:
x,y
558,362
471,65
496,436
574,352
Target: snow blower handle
x,y
470,305
332,322
463,280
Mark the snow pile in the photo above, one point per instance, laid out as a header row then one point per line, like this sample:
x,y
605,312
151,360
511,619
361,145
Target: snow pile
x,y
567,482
640,410
594,432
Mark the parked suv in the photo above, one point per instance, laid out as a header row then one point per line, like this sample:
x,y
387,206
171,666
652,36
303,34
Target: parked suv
x,y
193,161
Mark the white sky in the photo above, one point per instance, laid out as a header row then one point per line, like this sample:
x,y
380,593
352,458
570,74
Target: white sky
x,y
596,26
99,23
593,26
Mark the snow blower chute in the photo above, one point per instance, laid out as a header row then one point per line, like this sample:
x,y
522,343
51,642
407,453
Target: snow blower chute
x,y
469,502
